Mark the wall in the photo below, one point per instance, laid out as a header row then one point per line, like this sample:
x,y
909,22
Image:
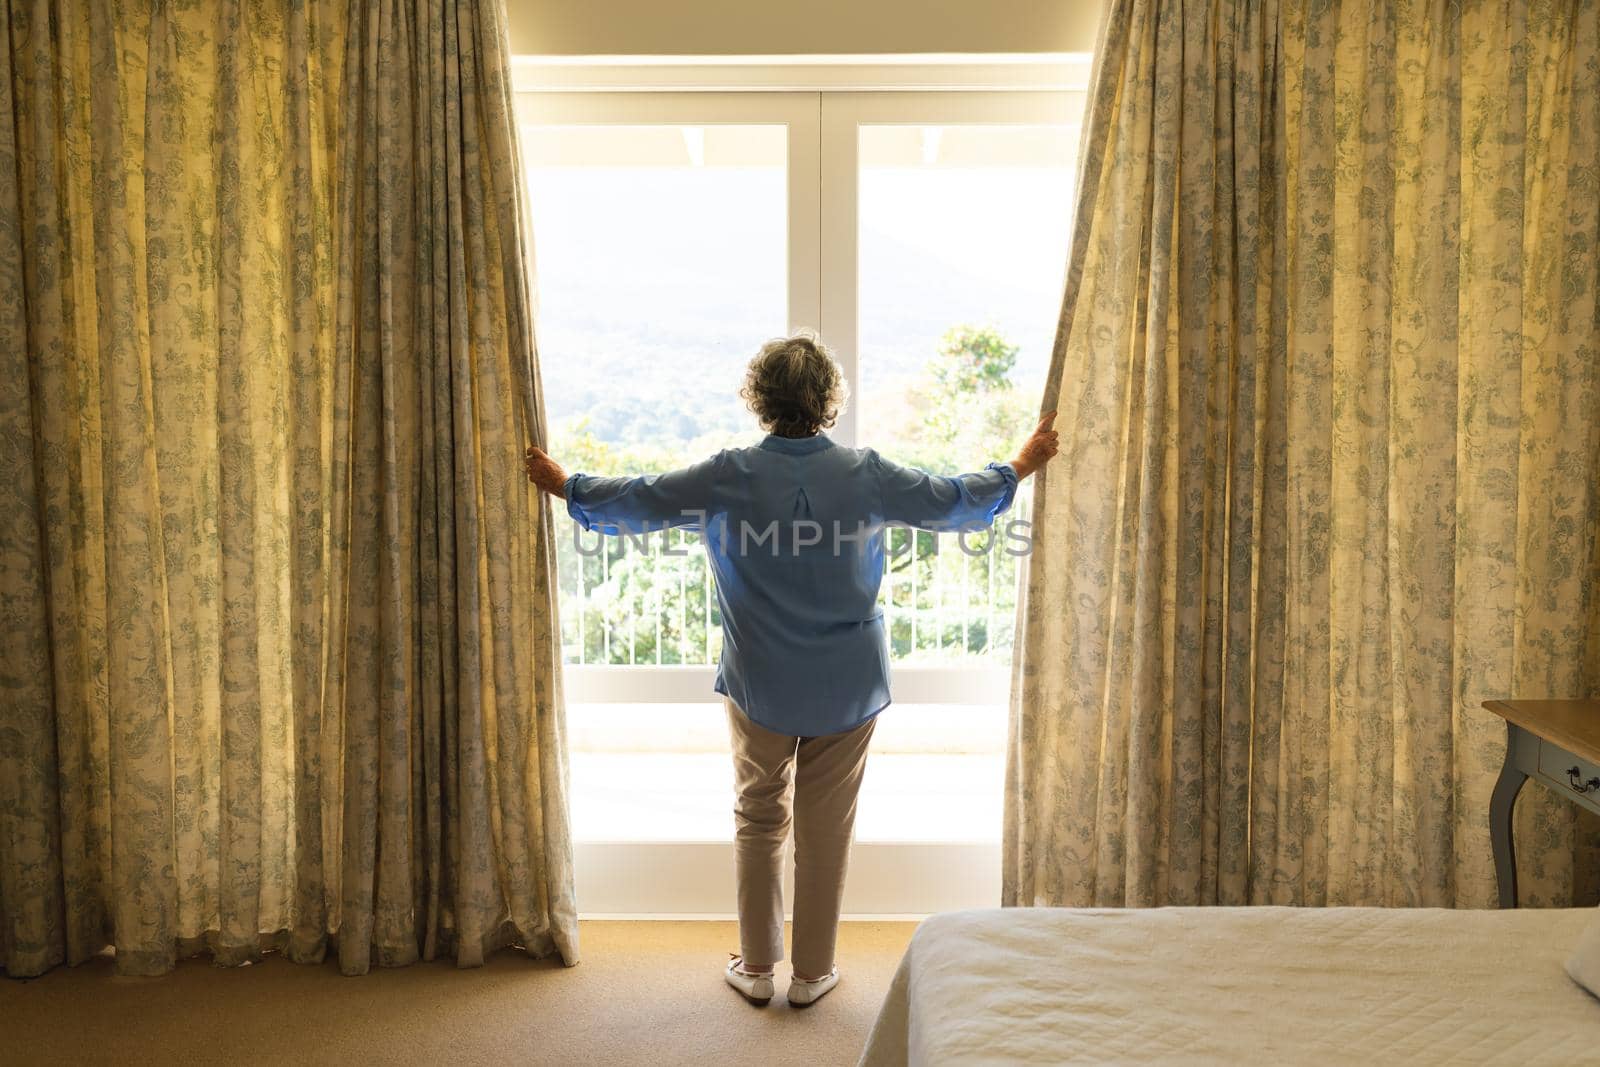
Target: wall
x,y
798,27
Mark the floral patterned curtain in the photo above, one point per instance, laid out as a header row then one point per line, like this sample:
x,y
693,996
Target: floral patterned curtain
x,y
1329,377
275,601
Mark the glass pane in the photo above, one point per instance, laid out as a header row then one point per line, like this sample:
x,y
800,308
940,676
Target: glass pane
x,y
661,259
963,252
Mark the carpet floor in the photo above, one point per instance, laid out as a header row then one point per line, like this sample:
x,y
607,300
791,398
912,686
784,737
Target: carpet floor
x,y
645,993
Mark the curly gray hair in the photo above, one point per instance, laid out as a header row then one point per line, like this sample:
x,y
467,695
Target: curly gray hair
x,y
795,387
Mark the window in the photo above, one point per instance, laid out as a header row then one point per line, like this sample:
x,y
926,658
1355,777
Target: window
x,y
663,261
923,232
960,256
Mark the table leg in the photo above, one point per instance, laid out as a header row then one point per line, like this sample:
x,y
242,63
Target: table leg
x,y
1501,805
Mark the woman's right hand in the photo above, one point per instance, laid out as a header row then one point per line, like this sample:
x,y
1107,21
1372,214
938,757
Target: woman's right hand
x,y
1040,447
545,472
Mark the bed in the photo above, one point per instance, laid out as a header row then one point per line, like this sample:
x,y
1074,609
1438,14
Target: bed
x,y
1239,985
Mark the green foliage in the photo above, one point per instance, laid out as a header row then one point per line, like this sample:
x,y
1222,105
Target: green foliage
x,y
964,411
582,451
644,605
972,361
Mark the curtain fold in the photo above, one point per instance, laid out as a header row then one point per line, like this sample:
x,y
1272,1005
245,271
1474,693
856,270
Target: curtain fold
x,y
1328,370
276,603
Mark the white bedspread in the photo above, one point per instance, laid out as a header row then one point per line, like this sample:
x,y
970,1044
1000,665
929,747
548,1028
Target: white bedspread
x,y
1239,985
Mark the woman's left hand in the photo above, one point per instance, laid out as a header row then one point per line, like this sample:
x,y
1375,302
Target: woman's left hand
x,y
545,472
1040,447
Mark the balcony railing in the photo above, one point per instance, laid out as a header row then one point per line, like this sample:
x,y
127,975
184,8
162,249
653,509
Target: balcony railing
x,y
650,601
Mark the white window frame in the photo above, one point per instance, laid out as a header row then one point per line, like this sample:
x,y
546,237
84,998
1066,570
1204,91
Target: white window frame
x,y
998,72
822,101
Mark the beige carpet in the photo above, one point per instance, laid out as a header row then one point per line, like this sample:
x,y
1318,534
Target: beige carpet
x,y
645,993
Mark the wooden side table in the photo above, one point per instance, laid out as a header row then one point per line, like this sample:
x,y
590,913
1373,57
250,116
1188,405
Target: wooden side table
x,y
1556,742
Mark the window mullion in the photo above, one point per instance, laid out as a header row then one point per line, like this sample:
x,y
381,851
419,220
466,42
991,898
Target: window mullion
x,y
839,187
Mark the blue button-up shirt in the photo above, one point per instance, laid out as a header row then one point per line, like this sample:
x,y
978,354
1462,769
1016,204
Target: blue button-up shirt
x,y
794,531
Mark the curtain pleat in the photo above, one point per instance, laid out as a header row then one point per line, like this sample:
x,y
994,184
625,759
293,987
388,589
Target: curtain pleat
x,y
277,604
1328,370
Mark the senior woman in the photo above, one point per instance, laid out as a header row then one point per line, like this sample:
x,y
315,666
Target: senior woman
x,y
793,528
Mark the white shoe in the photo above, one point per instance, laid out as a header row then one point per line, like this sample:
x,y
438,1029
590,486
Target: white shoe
x,y
756,988
803,993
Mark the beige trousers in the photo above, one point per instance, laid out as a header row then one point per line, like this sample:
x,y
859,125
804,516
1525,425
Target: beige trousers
x,y
826,776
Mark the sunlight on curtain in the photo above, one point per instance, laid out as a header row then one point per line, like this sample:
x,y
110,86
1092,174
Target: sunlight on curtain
x,y
1329,379
275,600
